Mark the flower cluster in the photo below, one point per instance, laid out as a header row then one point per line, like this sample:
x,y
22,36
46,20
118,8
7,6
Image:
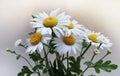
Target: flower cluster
x,y
57,34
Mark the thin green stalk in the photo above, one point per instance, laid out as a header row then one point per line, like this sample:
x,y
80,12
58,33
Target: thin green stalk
x,y
13,52
104,56
86,49
81,51
93,57
47,62
67,61
26,61
99,46
23,46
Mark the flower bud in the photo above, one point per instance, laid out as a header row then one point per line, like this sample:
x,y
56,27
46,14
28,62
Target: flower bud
x,y
18,42
7,49
109,51
96,51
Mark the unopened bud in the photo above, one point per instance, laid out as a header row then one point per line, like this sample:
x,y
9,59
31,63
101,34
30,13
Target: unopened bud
x,y
96,51
109,51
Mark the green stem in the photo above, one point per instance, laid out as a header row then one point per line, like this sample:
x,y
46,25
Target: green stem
x,y
93,57
81,51
67,61
26,60
23,46
46,58
99,46
104,56
47,63
86,49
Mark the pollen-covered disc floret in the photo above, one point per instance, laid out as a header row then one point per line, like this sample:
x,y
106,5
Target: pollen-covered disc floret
x,y
70,26
68,44
93,37
35,38
48,22
69,40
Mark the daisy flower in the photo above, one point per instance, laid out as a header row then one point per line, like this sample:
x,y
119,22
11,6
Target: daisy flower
x,y
105,42
45,22
73,28
35,42
68,44
92,37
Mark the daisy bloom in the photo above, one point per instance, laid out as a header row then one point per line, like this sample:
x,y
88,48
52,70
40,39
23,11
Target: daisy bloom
x,y
104,41
18,42
68,44
73,28
92,37
35,42
45,22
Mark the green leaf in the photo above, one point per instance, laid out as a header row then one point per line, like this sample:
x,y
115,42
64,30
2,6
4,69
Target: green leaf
x,y
97,69
25,71
18,57
71,58
20,74
40,66
89,63
84,44
75,64
45,70
106,66
35,56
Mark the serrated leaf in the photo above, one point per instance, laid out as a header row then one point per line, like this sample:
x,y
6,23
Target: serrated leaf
x,y
97,69
107,62
26,69
106,66
113,66
35,56
20,74
71,58
45,70
89,63
84,44
18,57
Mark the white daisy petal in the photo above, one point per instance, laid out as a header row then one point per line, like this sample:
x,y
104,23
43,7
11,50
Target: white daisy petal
x,y
40,47
54,13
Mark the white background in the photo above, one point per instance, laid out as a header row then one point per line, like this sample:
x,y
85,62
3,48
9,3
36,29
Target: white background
x,y
15,15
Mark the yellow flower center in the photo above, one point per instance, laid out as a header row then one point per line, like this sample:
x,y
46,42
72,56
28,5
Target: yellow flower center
x,y
70,26
69,40
50,21
93,37
35,38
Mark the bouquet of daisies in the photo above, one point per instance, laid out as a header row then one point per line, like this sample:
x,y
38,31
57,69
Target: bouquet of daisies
x,y
56,35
